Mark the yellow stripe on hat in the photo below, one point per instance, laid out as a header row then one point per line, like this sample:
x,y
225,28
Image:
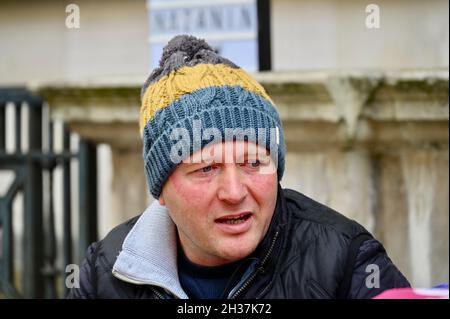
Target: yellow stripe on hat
x,y
186,80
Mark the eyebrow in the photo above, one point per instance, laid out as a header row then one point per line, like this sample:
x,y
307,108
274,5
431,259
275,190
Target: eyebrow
x,y
212,159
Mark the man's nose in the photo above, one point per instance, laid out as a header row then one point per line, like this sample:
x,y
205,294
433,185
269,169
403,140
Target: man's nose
x,y
232,188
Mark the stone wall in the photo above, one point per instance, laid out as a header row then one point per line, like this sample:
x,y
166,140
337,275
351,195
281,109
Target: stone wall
x,y
112,41
331,34
374,146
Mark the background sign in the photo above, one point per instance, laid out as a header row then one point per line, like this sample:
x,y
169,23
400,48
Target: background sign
x,y
230,26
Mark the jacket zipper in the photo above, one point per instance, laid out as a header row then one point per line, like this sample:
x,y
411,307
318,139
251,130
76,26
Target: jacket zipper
x,y
260,269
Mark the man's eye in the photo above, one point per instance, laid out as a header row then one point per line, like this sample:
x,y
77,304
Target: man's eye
x,y
255,163
206,169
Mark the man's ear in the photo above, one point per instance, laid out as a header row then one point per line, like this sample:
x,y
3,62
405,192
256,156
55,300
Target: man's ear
x,y
161,201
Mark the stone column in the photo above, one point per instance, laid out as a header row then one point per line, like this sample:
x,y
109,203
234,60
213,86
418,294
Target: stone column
x,y
341,180
129,194
425,175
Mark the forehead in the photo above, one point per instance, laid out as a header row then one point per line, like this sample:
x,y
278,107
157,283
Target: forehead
x,y
226,152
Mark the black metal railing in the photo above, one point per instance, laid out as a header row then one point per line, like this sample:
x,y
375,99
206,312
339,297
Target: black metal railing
x,y
41,276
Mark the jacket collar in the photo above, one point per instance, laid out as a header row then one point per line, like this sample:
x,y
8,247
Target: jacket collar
x,y
149,252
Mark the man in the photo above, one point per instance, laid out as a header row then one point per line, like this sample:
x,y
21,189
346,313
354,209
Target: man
x,y
222,227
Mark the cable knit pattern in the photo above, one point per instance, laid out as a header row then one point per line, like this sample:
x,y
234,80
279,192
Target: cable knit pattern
x,y
187,80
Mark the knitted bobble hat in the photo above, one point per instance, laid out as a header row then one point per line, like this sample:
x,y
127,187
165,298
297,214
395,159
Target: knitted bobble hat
x,y
193,93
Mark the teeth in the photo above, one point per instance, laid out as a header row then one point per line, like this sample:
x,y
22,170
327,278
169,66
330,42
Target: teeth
x,y
234,221
238,220
233,218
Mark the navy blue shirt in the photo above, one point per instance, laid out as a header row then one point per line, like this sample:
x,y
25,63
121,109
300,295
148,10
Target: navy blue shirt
x,y
201,282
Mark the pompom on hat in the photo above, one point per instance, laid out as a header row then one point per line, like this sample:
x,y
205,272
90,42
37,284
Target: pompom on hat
x,y
192,89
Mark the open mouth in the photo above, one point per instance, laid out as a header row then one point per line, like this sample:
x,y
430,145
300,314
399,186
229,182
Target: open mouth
x,y
236,219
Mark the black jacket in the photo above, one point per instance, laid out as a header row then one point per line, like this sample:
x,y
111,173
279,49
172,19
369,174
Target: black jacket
x,y
309,251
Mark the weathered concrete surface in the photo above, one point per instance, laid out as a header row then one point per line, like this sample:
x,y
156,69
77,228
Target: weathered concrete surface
x,y
331,34
372,145
36,44
128,184
341,180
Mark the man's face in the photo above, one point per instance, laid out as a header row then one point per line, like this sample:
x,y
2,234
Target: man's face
x,y
222,200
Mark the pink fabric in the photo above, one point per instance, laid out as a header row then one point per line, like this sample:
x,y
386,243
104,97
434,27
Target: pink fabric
x,y
413,293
